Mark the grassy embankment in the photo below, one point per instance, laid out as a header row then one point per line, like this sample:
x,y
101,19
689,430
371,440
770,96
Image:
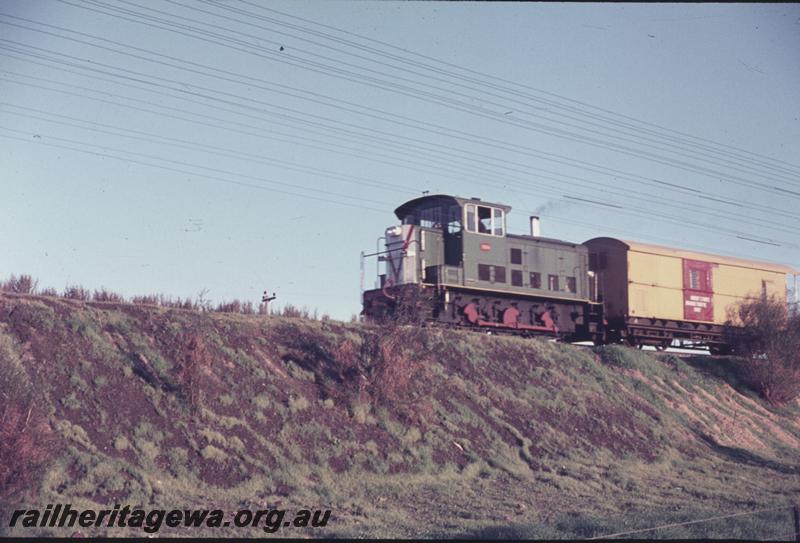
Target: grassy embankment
x,y
403,432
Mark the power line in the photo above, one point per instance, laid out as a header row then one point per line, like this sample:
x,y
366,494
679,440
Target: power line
x,y
37,48
687,523
657,182
503,82
539,190
670,219
149,137
691,149
469,107
393,87
215,178
181,163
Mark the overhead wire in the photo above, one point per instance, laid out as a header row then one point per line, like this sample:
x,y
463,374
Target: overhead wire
x,y
107,149
703,225
510,86
220,151
268,105
393,87
667,218
657,181
521,184
181,143
303,141
449,91
246,156
683,147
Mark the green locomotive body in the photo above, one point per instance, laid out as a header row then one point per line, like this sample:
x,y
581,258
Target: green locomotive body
x,y
472,272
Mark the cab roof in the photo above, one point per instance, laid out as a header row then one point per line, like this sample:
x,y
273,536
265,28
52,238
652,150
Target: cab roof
x,y
440,199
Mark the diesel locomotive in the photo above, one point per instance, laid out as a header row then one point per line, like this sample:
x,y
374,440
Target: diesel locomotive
x,y
457,257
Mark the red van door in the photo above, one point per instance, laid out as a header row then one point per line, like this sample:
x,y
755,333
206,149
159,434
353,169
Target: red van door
x,y
698,292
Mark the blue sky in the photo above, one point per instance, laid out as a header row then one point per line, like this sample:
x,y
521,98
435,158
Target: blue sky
x,y
225,163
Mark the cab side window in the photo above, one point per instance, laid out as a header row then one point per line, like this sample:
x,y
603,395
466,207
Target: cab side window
x,y
572,285
498,222
471,219
485,220
454,220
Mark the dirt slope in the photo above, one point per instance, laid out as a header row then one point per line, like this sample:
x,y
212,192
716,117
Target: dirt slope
x,y
400,432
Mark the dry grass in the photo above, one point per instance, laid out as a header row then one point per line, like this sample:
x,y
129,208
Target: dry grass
x,y
25,284
401,431
26,440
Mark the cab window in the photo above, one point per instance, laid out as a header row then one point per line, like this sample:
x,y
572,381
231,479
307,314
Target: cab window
x,y
485,220
431,217
572,285
454,220
498,222
471,218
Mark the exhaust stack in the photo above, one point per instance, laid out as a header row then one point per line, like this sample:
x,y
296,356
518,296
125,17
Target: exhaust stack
x,y
536,226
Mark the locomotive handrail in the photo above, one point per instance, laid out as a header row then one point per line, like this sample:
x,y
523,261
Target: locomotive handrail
x,y
375,254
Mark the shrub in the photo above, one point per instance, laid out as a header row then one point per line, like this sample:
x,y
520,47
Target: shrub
x,y
24,284
148,299
177,303
191,357
294,312
77,292
411,305
397,373
767,338
229,307
104,295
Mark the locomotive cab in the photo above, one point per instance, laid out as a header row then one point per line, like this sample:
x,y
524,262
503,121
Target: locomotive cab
x,y
435,233
459,251
428,240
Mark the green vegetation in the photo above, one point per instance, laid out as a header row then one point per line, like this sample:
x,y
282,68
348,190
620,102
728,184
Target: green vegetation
x,y
401,431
